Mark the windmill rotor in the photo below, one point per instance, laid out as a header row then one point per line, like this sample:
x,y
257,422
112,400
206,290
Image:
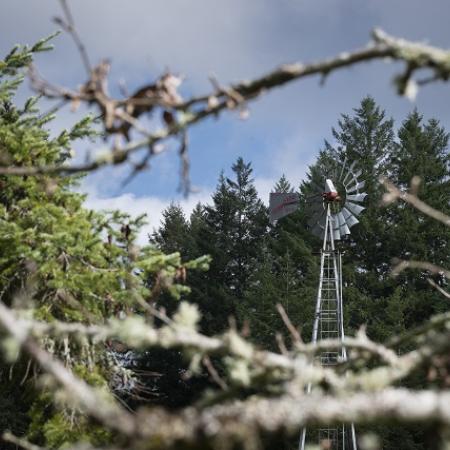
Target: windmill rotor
x,y
343,192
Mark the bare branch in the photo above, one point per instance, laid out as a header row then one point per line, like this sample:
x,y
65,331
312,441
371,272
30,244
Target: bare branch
x,y
424,265
20,442
69,26
242,421
435,323
395,193
214,374
438,288
294,332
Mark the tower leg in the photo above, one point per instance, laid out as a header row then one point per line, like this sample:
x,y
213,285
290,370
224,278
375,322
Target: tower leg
x,y
328,324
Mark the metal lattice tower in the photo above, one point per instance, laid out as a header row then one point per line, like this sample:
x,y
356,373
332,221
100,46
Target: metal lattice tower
x,y
333,213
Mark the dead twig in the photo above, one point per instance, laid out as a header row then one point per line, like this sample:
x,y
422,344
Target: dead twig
x,y
438,288
214,374
69,26
394,193
294,332
424,265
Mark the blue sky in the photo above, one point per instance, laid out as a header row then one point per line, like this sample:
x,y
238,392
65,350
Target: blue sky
x,y
235,40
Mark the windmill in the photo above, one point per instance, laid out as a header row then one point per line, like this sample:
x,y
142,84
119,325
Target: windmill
x,y
333,210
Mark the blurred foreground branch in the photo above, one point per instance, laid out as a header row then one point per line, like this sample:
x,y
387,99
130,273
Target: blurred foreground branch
x,y
394,194
368,397
120,116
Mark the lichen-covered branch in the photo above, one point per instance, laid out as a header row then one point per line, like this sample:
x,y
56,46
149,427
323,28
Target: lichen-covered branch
x,y
368,396
120,115
96,404
254,364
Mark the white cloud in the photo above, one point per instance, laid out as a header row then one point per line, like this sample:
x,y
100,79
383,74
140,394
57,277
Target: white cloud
x,y
264,187
292,158
135,205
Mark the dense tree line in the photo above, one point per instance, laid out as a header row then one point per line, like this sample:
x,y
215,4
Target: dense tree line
x,y
256,265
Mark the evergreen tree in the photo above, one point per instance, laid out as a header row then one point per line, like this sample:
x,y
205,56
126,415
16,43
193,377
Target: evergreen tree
x,y
422,150
389,306
367,138
231,231
287,274
283,185
173,235
62,262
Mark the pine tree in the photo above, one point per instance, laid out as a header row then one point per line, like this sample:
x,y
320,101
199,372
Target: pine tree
x,y
367,138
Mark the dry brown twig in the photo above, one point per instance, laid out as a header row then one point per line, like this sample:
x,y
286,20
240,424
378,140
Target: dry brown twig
x,y
69,26
213,373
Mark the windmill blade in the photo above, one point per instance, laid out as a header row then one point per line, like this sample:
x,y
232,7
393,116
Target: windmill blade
x,y
353,179
336,234
350,219
345,229
340,219
349,172
344,164
354,208
335,227
356,197
356,187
